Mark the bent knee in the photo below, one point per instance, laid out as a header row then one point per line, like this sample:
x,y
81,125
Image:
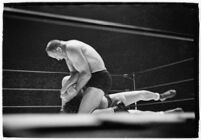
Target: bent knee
x,y
91,100
144,91
96,112
94,90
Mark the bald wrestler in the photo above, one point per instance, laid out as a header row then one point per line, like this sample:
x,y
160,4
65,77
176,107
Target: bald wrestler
x,y
85,64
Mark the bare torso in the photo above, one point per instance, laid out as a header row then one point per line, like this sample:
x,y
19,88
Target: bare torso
x,y
94,60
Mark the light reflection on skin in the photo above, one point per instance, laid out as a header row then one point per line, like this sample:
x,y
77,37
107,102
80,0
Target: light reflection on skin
x,y
56,55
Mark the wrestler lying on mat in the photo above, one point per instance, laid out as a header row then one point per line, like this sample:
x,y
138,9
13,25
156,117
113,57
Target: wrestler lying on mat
x,y
88,71
116,102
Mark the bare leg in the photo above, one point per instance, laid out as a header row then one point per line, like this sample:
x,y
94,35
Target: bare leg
x,y
91,100
145,112
175,110
103,107
131,97
103,111
127,98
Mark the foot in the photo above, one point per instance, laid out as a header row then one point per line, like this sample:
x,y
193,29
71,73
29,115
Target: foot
x,y
120,107
167,94
176,110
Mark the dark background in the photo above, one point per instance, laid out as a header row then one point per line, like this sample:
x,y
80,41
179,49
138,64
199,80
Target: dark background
x,y
24,43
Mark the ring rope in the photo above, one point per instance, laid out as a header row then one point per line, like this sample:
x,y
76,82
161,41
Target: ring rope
x,y
148,87
130,106
163,66
47,72
31,89
35,89
33,71
32,106
171,101
167,84
139,72
98,24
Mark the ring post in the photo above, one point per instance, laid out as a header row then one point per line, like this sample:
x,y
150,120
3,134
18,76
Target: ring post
x,y
134,88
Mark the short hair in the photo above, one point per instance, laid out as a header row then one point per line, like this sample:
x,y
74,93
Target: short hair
x,y
52,45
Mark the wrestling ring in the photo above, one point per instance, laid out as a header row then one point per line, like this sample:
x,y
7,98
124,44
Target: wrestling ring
x,y
45,120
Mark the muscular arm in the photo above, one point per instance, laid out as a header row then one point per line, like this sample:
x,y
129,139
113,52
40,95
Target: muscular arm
x,y
65,97
81,65
71,81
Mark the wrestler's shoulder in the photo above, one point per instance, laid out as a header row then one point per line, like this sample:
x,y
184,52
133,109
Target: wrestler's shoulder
x,y
73,44
73,41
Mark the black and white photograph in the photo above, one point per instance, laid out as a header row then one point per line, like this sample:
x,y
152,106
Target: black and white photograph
x,y
100,70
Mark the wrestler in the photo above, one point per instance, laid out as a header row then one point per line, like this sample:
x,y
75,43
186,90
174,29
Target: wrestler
x,y
116,102
85,64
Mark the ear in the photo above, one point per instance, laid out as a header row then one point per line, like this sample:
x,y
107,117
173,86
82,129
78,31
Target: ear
x,y
58,49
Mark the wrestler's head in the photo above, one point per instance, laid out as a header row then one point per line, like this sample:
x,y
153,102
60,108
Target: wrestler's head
x,y
55,49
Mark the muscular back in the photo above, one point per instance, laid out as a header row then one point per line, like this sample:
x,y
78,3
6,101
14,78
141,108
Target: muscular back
x,y
94,60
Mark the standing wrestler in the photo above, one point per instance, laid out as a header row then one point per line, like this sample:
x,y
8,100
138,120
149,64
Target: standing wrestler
x,y
87,71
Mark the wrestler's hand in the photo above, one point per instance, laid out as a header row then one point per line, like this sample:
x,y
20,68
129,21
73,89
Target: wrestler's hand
x,y
71,91
69,94
64,89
